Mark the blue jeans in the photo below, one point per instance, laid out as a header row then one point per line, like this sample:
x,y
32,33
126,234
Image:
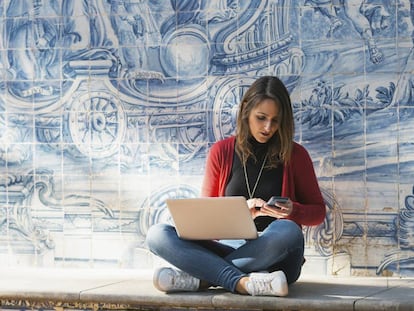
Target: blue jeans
x,y
279,247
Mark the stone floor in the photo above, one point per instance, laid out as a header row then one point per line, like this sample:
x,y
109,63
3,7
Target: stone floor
x,y
77,289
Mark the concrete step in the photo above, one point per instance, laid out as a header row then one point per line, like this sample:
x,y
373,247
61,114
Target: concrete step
x,y
94,289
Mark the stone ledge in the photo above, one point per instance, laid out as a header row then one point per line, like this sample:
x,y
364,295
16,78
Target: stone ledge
x,y
70,289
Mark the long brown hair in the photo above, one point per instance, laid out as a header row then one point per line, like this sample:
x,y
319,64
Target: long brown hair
x,y
281,144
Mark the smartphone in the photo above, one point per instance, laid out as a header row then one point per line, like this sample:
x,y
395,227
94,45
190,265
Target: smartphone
x,y
275,199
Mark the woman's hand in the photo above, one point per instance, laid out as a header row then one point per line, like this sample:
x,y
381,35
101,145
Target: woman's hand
x,y
255,206
280,210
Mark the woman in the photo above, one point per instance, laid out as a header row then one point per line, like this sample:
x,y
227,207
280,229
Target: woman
x,y
259,162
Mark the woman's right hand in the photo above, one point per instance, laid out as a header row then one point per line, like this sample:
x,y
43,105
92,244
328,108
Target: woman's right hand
x,y
255,205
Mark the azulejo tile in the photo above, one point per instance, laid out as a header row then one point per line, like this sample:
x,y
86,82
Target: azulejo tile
x,y
92,91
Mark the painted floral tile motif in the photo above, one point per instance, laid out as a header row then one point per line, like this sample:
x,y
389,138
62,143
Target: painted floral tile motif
x,y
107,108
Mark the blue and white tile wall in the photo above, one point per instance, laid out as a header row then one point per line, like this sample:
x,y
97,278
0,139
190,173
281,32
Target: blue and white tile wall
x,y
107,108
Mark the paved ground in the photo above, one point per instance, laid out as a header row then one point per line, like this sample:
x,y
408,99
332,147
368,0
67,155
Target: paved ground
x,y
70,289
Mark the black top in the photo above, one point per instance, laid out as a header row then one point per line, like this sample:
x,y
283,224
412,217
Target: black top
x,y
270,182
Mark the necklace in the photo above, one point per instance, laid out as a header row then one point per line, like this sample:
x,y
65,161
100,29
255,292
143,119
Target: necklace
x,y
251,193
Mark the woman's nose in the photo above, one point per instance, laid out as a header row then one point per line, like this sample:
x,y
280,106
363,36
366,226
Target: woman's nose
x,y
268,125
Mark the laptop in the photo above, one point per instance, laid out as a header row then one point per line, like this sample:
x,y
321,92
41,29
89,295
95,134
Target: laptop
x,y
212,218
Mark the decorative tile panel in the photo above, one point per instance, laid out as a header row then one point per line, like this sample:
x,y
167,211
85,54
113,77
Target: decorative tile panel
x,y
107,108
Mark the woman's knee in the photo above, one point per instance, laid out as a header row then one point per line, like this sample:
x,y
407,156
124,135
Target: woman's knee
x,y
293,227
157,234
287,229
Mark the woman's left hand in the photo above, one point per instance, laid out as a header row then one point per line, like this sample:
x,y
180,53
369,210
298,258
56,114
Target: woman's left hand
x,y
280,210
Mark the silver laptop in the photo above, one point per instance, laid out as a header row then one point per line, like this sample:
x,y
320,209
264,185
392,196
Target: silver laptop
x,y
212,218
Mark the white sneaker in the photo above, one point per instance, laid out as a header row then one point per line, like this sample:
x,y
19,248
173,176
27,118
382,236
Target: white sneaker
x,y
174,280
267,284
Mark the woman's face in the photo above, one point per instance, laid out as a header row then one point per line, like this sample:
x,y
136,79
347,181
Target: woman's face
x,y
264,120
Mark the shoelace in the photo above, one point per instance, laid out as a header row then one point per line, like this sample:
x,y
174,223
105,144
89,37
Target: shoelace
x,y
182,280
261,286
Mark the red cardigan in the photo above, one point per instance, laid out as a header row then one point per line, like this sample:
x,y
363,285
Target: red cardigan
x,y
299,181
